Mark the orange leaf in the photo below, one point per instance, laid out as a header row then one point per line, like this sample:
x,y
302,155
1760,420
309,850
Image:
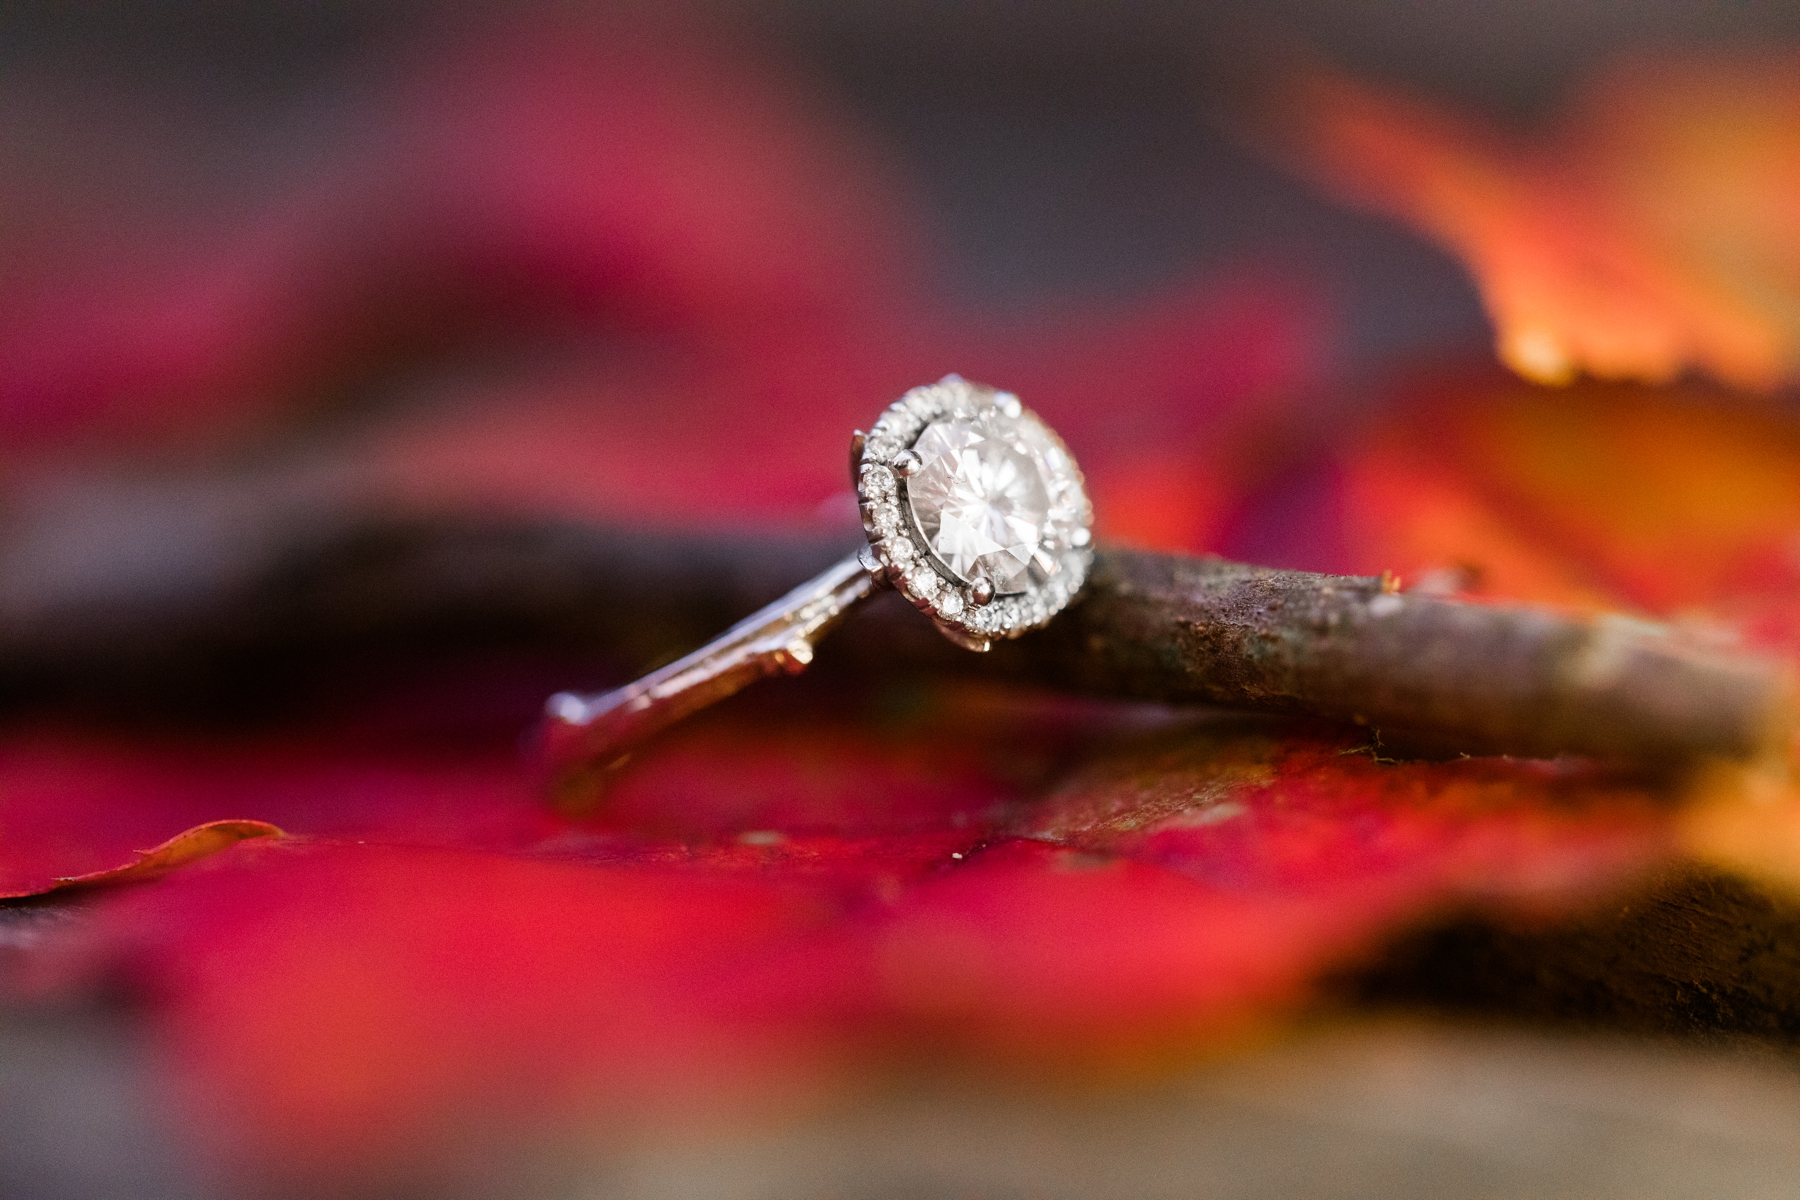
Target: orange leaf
x,y
202,841
1655,230
1603,496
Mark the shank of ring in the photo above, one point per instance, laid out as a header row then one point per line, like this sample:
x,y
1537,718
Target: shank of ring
x,y
585,737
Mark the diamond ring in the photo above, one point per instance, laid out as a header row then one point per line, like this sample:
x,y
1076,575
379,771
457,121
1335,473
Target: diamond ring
x,y
974,510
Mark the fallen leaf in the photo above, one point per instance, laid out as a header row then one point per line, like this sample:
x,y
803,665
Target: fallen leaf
x,y
356,1004
1652,231
191,845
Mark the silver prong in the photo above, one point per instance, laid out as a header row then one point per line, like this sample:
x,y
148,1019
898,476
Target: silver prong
x,y
981,591
871,563
1009,404
907,464
857,438
1080,537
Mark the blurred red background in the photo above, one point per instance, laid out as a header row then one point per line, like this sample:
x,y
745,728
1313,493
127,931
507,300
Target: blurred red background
x,y
272,276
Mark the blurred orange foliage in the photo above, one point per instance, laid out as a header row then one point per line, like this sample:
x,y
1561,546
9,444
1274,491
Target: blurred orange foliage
x,y
1654,229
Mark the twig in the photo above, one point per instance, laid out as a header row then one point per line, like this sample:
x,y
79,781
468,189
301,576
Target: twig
x,y
303,592
1478,677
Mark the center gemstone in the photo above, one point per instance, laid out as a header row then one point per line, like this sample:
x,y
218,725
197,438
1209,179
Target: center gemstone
x,y
980,501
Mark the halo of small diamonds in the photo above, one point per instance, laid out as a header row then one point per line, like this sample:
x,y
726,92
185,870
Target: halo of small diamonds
x,y
1050,561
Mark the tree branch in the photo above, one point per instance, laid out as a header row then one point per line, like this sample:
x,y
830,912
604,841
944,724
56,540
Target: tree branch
x,y
1477,677
300,593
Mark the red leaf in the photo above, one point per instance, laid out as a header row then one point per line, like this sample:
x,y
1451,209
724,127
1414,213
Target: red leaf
x,y
1176,885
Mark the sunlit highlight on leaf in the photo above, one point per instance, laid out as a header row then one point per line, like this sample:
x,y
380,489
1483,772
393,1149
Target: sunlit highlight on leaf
x,y
1654,230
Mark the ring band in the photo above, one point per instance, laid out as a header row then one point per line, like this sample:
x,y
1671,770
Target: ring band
x,y
974,510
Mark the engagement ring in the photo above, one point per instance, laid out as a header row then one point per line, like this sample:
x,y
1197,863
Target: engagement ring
x,y
974,510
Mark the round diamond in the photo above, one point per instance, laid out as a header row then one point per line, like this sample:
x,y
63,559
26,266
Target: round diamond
x,y
921,581
981,501
878,482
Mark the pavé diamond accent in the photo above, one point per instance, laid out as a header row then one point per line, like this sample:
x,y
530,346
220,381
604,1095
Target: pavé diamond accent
x,y
921,581
878,482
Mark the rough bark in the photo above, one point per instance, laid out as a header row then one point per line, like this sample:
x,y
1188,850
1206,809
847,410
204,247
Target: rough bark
x,y
1476,677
